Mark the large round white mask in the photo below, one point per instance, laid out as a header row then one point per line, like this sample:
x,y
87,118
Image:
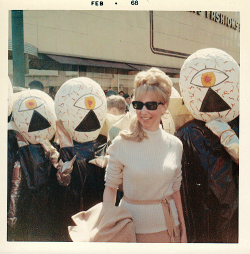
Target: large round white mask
x,y
10,97
34,114
209,85
81,105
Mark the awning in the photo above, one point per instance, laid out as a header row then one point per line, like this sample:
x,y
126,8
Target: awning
x,y
140,67
89,62
28,49
107,64
146,67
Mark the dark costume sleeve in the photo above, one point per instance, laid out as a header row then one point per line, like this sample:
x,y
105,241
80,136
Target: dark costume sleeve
x,y
209,186
29,217
87,180
12,158
84,190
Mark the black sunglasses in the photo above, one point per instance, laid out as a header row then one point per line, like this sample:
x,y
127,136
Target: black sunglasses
x,y
150,105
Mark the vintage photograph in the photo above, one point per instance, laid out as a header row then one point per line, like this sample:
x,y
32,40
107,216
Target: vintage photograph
x,y
123,126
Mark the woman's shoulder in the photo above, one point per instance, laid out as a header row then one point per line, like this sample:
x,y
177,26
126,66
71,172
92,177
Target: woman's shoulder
x,y
118,146
174,140
118,140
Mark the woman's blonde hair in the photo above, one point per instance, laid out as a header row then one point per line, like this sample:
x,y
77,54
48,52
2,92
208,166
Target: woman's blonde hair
x,y
153,80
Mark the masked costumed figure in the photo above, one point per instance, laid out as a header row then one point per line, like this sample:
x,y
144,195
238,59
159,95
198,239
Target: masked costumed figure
x,y
12,142
209,85
34,123
80,106
12,158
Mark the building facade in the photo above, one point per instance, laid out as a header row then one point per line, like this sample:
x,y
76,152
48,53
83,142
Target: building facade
x,y
112,46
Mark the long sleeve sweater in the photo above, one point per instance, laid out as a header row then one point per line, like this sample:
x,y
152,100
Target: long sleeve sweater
x,y
149,170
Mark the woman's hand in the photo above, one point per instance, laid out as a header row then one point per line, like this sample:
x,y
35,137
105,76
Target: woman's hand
x,y
177,199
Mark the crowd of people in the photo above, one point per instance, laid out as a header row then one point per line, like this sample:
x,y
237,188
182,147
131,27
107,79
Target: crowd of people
x,y
81,159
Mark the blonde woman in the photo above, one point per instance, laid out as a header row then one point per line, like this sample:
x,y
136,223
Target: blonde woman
x,y
147,161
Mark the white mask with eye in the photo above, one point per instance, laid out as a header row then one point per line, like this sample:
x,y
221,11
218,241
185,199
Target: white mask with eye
x,y
209,85
34,114
81,105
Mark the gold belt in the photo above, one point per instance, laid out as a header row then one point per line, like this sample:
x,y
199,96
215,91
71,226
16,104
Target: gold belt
x,y
169,219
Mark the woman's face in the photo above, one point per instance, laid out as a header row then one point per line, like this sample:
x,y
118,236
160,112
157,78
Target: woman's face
x,y
150,119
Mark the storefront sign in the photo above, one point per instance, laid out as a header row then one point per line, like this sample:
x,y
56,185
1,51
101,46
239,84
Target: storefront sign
x,y
221,18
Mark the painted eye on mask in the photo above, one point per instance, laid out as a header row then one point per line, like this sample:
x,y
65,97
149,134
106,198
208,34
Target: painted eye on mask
x,y
89,101
209,78
30,103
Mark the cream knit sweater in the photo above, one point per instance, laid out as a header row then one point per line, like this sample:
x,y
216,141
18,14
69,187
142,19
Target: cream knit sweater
x,y
149,170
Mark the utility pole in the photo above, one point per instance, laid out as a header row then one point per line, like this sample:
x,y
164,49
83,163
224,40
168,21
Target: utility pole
x,y
18,49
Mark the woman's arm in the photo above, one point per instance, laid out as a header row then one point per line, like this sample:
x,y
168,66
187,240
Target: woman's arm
x,y
177,199
109,194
